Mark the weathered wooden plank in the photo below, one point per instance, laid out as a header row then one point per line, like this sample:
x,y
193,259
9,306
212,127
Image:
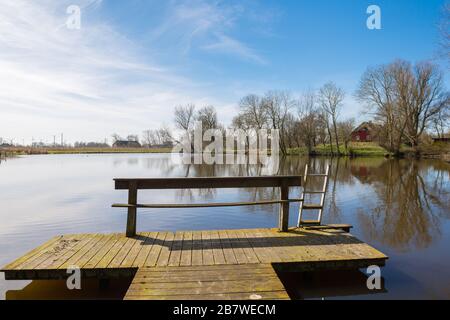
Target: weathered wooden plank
x,y
122,253
103,251
86,256
209,182
163,259
210,282
175,250
146,248
109,256
52,252
33,254
236,245
157,246
197,255
219,257
73,260
186,253
138,245
227,248
207,251
275,295
246,247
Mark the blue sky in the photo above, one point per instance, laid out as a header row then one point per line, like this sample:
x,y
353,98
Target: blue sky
x,y
132,62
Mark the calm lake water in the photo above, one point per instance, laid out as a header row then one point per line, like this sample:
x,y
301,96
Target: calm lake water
x,y
400,207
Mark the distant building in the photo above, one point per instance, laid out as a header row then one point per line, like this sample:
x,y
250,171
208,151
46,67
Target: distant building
x,y
126,144
445,139
365,132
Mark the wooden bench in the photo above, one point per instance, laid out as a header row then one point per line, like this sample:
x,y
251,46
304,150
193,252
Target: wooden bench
x,y
133,185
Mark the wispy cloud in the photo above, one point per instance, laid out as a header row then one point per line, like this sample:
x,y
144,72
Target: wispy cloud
x,y
229,45
208,26
88,83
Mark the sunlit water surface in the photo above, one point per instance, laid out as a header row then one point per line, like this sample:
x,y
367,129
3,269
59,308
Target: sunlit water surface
x,y
400,207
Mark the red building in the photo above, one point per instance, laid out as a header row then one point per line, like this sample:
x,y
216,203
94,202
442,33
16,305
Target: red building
x,y
365,132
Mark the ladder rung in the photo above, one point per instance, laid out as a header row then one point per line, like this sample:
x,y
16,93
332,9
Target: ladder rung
x,y
317,175
310,222
312,192
312,206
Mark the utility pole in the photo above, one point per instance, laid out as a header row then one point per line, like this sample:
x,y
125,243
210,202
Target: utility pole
x,y
62,139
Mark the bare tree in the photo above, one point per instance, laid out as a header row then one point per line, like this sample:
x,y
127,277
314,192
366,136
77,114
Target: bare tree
x,y
309,122
345,129
428,98
330,99
405,99
441,122
277,106
252,106
208,117
184,117
377,90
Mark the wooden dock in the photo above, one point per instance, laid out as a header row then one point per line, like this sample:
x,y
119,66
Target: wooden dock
x,y
215,282
211,264
113,255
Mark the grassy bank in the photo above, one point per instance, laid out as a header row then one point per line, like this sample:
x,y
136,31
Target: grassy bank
x,y
30,151
355,149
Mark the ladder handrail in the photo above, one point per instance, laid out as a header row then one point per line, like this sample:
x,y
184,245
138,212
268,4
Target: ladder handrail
x,y
304,206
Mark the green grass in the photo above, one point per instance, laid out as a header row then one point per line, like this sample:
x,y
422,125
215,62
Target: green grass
x,y
356,149
28,151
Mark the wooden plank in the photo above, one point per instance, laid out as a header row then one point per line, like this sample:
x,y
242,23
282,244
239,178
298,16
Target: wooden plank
x,y
52,252
103,251
86,256
157,246
219,257
209,182
56,260
197,255
246,247
175,250
207,250
73,261
109,256
122,253
33,254
227,248
163,259
186,253
238,251
145,251
274,295
254,281
139,244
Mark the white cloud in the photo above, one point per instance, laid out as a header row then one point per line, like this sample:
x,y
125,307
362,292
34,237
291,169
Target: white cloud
x,y
87,83
229,45
207,24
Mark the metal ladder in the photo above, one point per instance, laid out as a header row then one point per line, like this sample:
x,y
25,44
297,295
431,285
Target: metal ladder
x,y
319,206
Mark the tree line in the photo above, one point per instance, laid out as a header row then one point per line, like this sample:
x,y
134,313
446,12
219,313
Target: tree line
x,y
404,100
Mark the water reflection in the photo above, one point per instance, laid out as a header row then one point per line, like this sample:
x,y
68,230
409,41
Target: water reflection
x,y
401,207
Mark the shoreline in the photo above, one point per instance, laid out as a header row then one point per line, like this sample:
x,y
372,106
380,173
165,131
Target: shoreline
x,y
352,150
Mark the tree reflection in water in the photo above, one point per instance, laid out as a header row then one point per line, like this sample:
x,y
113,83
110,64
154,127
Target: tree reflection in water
x,y
399,203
